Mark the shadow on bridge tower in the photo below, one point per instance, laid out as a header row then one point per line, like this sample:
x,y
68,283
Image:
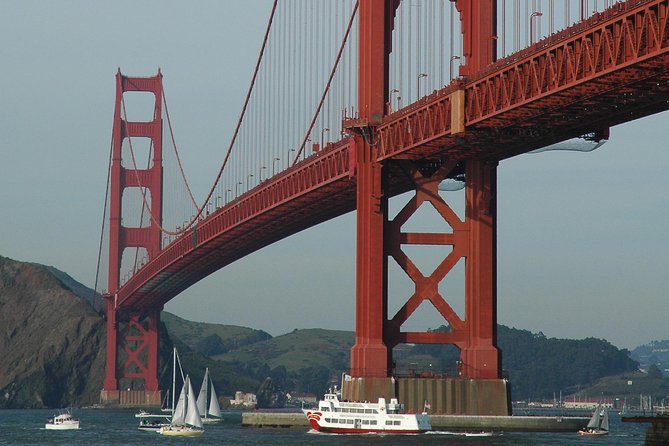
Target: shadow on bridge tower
x,y
131,376
479,388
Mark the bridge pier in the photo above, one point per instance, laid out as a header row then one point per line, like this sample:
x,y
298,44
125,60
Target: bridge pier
x,y
132,342
444,396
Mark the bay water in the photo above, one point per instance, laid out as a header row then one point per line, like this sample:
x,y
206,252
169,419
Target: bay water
x,y
119,427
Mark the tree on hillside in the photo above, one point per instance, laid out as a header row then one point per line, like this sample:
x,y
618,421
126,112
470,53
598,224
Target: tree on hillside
x,y
654,371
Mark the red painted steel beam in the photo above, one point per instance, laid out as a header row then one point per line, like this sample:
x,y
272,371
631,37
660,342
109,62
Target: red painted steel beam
x,y
481,358
471,239
369,356
610,69
479,34
426,287
614,49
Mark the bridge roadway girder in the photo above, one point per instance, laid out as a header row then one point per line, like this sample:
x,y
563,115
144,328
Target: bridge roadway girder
x,y
611,69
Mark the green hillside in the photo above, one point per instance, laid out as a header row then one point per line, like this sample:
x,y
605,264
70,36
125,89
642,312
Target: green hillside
x,y
655,352
297,350
630,387
211,339
538,366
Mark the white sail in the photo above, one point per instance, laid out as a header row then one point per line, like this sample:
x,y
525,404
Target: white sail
x,y
202,397
192,414
605,421
179,414
214,407
594,420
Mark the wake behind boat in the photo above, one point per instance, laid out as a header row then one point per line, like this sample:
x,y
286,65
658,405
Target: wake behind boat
x,y
62,421
341,417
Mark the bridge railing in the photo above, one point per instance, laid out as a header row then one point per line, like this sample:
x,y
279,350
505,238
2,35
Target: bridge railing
x,y
316,171
622,35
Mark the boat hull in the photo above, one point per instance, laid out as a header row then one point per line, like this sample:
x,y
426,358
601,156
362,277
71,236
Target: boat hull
x,y
320,424
62,427
334,430
180,432
593,433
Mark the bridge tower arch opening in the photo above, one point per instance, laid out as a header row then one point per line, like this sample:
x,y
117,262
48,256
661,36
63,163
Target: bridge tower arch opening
x,y
379,239
131,375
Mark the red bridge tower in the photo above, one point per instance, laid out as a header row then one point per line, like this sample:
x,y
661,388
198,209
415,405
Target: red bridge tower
x,y
378,238
133,336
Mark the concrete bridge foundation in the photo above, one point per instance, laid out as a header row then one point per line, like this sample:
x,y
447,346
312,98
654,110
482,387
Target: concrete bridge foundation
x,y
130,398
444,396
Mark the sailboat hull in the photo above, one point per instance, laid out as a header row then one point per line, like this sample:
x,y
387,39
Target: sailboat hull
x,y
593,433
178,431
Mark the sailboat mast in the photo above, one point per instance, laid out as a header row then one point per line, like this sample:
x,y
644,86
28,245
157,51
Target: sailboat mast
x,y
174,375
206,385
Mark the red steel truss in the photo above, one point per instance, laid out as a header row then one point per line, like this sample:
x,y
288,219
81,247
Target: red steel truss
x,y
473,240
610,69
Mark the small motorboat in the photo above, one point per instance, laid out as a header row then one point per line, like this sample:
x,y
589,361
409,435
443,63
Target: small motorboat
x,y
62,421
152,422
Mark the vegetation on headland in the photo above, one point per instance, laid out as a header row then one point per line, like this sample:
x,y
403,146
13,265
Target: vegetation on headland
x,y
53,353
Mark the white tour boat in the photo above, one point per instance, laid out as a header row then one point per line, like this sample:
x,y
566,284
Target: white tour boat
x,y
62,421
343,417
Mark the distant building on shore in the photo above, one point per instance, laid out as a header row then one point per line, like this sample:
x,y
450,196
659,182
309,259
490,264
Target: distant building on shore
x,y
586,404
244,400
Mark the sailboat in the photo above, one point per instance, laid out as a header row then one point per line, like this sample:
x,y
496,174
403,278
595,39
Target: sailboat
x,y
186,420
155,421
213,413
598,424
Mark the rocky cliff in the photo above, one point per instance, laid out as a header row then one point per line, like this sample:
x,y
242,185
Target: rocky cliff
x,y
52,342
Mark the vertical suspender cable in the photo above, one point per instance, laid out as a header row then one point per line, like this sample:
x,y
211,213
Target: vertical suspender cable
x,y
327,86
246,101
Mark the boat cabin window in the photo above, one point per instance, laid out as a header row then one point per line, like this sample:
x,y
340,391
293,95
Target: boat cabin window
x,y
325,409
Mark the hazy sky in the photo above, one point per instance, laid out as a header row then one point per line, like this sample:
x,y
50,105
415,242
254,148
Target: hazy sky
x,y
583,244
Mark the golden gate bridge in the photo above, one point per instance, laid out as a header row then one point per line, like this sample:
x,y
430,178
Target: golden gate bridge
x,y
352,103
